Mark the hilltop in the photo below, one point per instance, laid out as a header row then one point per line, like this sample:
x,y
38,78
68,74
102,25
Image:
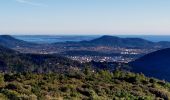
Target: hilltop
x,y
113,41
121,42
11,42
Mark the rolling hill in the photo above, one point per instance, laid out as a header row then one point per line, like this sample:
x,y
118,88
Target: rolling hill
x,y
113,41
156,64
121,42
42,76
11,42
12,61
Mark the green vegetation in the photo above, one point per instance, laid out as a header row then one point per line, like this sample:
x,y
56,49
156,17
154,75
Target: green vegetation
x,y
86,85
13,62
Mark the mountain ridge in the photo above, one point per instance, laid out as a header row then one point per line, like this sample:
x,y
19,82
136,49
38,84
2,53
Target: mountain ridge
x,y
106,40
114,41
11,42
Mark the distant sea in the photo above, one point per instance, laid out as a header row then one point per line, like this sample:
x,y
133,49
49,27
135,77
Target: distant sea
x,y
53,38
64,38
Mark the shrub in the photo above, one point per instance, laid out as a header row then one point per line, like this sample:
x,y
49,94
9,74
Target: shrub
x,y
13,95
2,83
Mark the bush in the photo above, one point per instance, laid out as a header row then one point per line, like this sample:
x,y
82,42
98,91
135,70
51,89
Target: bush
x,y
2,83
106,75
13,95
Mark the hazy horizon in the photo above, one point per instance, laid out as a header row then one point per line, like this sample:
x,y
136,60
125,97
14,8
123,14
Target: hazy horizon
x,y
91,17
83,34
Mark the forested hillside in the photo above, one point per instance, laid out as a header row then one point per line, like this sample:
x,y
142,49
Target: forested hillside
x,y
86,85
48,77
11,42
155,64
12,61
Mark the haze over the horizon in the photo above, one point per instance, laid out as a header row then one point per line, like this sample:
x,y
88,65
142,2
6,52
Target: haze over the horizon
x,y
85,16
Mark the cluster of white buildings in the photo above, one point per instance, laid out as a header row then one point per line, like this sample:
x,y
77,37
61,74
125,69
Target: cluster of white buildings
x,y
83,59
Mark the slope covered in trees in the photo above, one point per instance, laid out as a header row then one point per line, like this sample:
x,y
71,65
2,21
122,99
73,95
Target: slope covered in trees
x,y
45,77
155,64
12,61
11,42
86,85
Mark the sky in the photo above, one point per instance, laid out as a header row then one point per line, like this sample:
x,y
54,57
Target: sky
x,y
120,17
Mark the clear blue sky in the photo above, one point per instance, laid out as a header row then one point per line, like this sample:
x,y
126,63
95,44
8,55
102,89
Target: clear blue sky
x,y
85,16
